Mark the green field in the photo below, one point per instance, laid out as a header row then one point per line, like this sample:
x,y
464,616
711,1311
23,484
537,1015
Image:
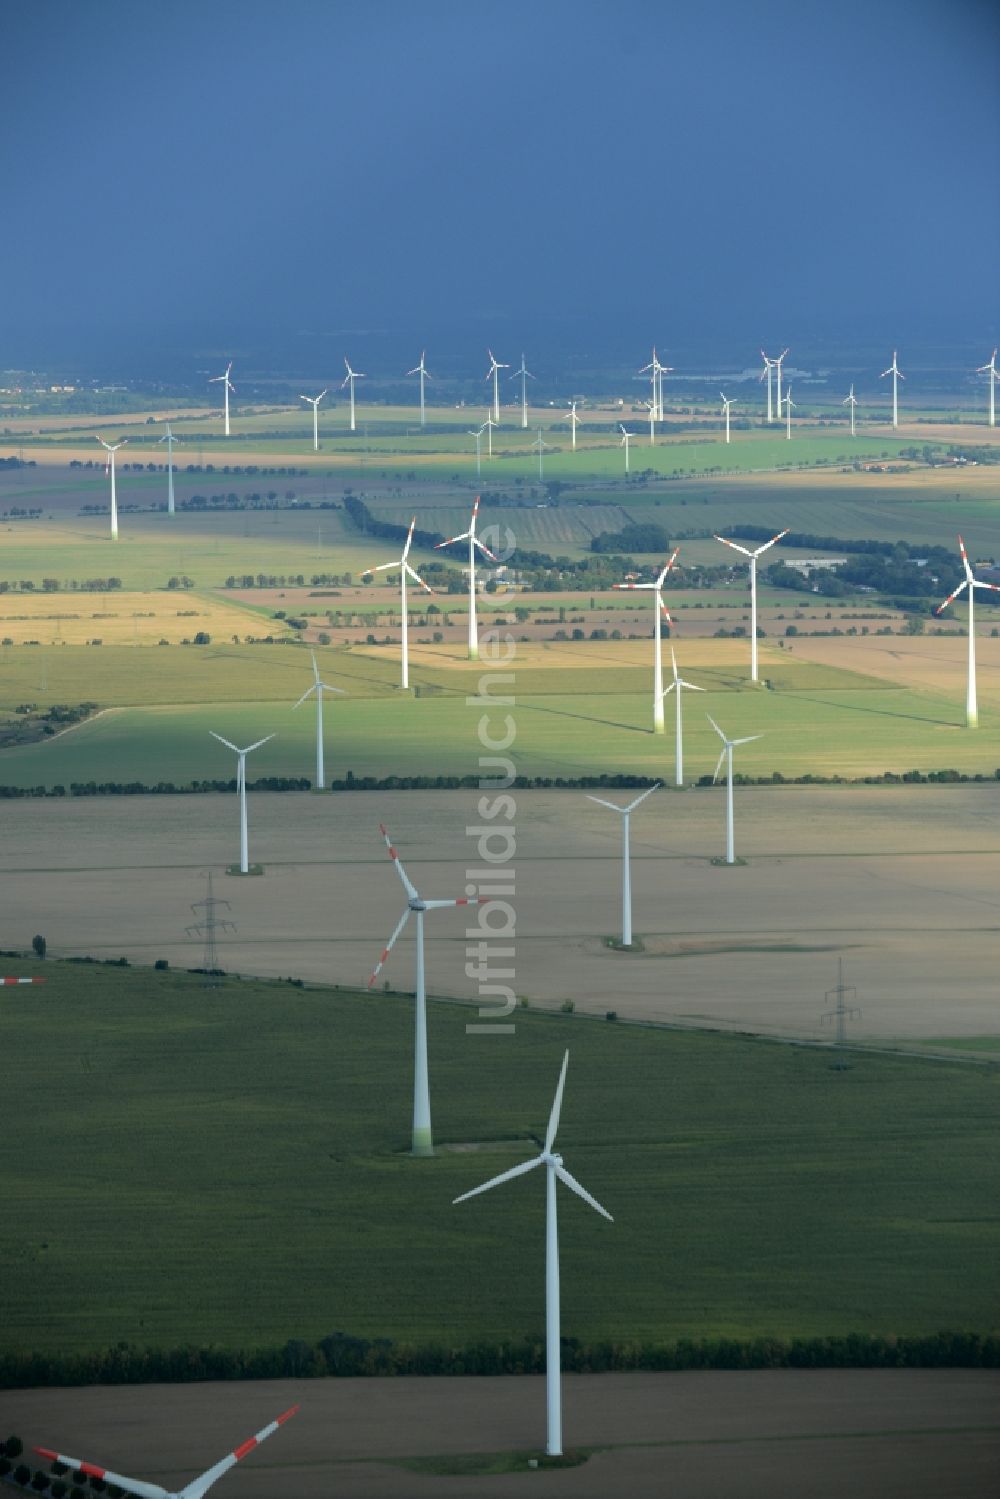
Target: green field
x,y
228,1167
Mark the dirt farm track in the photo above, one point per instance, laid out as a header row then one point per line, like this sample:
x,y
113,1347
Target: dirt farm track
x,y
903,881
874,1434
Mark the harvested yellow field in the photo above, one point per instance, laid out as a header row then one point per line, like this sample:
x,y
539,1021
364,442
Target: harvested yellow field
x,y
121,618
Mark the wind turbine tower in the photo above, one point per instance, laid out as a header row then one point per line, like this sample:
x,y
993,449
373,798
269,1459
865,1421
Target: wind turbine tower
x,y
766,372
991,370
851,400
170,439
625,813
314,403
489,424
540,446
728,745
677,685
493,373
789,403
479,450
227,386
422,1141
241,789
425,374
626,439
474,542
753,588
349,379
777,367
656,588
840,1014
574,422
111,449
725,407
405,570
554,1171
897,375
971,583
318,687
524,374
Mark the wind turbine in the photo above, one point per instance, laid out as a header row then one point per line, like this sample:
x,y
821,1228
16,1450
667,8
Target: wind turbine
x,y
525,375
422,1139
850,400
777,365
425,374
479,450
626,439
991,370
658,606
624,813
658,371
319,687
725,407
111,449
473,540
789,403
349,379
676,686
314,403
241,787
753,589
227,386
170,439
404,570
574,422
554,1170
194,1490
728,745
897,375
652,420
540,444
768,366
971,583
489,424
493,373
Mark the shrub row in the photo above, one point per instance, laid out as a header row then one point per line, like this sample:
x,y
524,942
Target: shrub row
x,y
340,1355
162,788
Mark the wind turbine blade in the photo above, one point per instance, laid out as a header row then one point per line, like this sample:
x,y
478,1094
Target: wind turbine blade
x,y
418,579
663,574
550,1133
602,803
978,583
648,792
439,544
773,538
409,538
133,1485
387,949
748,740
965,559
691,686
953,595
734,544
224,741
673,661
308,693
382,567
574,1186
719,765
715,726
408,884
495,1181
463,900
485,550
327,688
200,1486
258,744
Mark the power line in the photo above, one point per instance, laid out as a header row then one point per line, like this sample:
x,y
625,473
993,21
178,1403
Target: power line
x,y
207,928
840,1014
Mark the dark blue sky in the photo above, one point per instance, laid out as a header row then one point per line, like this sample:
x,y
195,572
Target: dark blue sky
x,y
220,174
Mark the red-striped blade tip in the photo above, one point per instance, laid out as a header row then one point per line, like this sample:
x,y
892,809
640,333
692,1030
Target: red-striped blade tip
x,y
245,1447
288,1415
44,1452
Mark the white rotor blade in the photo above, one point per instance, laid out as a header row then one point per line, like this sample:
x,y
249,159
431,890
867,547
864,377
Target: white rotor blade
x,y
719,765
574,1186
978,583
387,949
258,743
673,661
965,559
418,579
495,1181
200,1486
226,742
780,533
463,537
485,549
953,595
550,1133
748,740
463,900
308,693
409,538
691,686
327,688
408,884
382,567
602,803
648,792
734,544
663,574
133,1485
715,726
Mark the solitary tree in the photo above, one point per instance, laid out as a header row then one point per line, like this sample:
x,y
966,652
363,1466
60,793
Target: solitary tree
x,y
38,943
